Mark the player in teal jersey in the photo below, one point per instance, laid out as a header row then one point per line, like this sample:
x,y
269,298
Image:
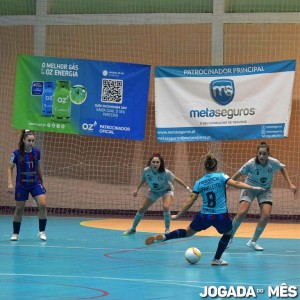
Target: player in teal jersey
x,y
160,181
29,180
214,212
259,171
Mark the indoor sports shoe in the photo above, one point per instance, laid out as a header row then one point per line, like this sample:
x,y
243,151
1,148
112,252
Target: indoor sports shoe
x,y
155,239
14,237
219,262
167,231
42,236
255,246
129,232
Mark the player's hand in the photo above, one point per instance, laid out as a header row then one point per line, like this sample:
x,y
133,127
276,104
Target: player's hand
x,y
293,189
258,188
10,188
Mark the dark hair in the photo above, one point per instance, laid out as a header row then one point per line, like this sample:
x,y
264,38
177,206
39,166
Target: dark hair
x,y
262,145
210,163
22,144
162,162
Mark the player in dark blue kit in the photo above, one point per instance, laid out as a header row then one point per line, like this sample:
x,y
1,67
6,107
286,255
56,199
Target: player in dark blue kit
x,y
214,212
29,180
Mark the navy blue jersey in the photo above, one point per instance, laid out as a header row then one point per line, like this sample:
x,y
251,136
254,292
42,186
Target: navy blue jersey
x,y
212,188
27,174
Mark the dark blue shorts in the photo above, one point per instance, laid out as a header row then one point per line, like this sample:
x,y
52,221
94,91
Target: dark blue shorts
x,y
222,222
22,194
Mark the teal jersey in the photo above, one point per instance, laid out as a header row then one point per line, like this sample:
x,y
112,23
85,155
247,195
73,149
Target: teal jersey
x,y
259,175
160,181
212,188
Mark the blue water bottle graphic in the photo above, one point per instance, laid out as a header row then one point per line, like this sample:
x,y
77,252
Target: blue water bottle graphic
x,y
61,109
47,98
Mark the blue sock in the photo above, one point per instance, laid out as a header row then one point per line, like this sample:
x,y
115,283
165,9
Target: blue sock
x,y
16,227
176,234
222,245
42,224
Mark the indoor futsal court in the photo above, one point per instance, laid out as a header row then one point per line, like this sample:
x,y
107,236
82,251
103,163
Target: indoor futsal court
x,y
106,84
90,259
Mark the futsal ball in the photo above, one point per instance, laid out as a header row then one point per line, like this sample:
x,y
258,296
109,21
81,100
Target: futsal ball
x,y
192,255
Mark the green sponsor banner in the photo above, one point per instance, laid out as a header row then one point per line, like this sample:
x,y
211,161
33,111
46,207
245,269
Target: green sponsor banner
x,y
87,97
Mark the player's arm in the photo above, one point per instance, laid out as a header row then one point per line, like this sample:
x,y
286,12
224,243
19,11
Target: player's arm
x,y
139,186
182,184
236,176
242,185
10,168
288,180
186,206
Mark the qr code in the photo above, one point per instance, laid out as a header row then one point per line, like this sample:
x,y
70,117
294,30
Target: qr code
x,y
112,91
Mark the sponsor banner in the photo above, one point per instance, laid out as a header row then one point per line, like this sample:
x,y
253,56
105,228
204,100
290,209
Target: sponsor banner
x,y
87,97
232,102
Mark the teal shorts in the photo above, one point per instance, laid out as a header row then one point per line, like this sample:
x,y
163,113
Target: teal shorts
x,y
154,195
262,196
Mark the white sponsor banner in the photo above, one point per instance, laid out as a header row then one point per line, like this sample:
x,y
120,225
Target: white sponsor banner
x,y
232,102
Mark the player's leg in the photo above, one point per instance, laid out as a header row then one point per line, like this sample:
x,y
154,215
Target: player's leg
x,y
41,203
168,199
222,245
175,234
265,205
246,198
21,196
17,219
198,224
240,216
223,226
139,215
265,210
38,192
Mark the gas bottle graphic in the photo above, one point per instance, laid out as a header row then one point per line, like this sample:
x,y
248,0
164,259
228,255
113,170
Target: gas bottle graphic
x,y
47,98
78,94
61,109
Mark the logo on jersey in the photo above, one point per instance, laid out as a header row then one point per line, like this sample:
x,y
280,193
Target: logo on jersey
x,y
155,185
263,180
222,91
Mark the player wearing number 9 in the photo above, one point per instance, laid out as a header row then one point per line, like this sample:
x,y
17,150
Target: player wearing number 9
x,y
214,212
